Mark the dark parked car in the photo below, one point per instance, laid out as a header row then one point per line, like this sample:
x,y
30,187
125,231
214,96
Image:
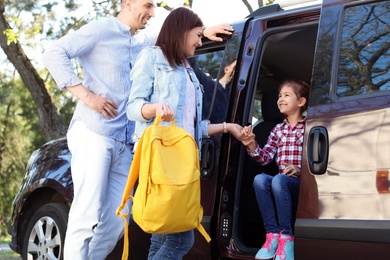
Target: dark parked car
x,y
343,48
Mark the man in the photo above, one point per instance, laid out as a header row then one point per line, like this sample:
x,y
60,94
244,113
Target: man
x,y
99,134
217,102
228,74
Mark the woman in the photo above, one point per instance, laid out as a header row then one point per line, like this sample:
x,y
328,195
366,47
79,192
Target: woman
x,y
164,83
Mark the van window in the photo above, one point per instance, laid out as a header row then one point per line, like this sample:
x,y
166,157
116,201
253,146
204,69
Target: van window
x,y
215,70
365,50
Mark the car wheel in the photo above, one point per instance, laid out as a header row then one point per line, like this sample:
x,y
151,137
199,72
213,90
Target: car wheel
x,y
45,234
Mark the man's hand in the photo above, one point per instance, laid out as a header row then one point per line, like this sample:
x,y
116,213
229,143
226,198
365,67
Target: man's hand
x,y
101,104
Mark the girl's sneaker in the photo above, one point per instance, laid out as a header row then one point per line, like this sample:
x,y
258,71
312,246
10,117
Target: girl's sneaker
x,y
267,251
285,249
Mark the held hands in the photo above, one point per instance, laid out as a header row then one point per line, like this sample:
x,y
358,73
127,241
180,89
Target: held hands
x,y
166,112
211,32
291,170
248,138
235,130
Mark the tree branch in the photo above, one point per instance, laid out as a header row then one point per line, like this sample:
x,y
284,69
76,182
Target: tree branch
x,y
50,121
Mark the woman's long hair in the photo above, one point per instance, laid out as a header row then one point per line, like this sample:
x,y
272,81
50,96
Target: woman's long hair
x,y
172,36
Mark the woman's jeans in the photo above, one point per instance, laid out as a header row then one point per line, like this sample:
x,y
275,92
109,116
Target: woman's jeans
x,y
170,246
277,197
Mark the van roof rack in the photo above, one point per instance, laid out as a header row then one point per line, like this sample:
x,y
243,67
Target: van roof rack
x,y
280,5
290,4
267,9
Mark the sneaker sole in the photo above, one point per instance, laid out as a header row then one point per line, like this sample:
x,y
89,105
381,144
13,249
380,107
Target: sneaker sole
x,y
258,258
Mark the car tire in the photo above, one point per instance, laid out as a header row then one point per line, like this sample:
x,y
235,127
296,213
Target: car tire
x,y
45,234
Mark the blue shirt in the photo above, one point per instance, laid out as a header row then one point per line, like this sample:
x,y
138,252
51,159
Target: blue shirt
x,y
106,50
155,81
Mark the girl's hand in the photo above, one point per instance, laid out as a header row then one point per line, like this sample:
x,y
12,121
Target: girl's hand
x,y
291,170
166,112
248,137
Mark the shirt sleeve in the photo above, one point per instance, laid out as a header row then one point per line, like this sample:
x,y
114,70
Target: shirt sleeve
x,y
256,151
57,58
265,155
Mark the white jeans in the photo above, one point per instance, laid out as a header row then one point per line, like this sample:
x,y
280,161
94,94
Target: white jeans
x,y
100,166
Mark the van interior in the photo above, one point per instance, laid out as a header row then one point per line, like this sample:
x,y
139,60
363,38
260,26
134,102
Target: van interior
x,y
284,54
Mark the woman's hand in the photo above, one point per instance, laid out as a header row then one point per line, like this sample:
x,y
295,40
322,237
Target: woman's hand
x,y
235,130
166,112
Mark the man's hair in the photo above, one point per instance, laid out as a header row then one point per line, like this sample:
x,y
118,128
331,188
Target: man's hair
x,y
172,36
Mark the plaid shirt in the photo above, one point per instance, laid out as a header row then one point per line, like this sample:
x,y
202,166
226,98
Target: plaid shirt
x,y
285,142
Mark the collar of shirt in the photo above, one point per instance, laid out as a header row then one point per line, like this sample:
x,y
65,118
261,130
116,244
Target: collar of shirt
x,y
126,29
299,123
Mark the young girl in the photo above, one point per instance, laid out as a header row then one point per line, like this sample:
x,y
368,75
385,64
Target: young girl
x,y
164,83
277,196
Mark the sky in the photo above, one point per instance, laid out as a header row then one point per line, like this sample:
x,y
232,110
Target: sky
x,y
213,12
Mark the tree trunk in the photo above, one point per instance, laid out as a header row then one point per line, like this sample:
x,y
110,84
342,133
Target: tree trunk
x,y
50,121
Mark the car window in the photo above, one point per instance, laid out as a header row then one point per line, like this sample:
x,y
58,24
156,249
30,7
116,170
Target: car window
x,y
206,67
365,50
215,70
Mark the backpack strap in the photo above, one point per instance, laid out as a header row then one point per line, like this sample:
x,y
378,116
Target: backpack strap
x,y
133,177
201,228
204,232
157,120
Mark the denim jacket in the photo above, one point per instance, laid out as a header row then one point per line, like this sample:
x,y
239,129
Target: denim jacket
x,y
155,81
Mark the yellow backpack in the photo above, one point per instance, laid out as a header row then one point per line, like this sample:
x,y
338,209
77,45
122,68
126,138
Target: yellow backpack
x,y
167,199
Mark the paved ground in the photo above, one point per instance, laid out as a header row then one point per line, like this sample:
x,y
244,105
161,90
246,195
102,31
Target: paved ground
x,y
4,248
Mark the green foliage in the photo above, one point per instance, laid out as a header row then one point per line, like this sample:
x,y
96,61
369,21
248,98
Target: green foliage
x,y
33,24
19,137
11,36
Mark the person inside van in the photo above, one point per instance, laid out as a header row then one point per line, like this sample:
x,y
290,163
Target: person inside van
x,y
277,196
220,104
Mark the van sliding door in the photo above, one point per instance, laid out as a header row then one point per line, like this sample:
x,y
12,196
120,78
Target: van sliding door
x,y
344,208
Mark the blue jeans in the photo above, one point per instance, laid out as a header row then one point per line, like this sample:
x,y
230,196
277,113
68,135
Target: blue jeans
x,y
170,246
277,198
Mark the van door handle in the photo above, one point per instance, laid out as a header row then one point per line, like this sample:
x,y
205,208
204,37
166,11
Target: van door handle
x,y
207,158
315,143
318,150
